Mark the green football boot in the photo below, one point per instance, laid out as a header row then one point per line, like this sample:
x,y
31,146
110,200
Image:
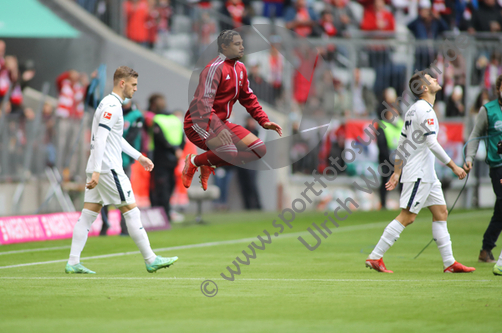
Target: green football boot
x,y
77,269
160,262
497,270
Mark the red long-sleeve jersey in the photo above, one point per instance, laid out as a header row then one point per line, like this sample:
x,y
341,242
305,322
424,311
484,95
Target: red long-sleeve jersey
x,y
221,84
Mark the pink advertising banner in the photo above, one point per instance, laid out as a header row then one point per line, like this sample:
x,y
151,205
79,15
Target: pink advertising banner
x,y
32,228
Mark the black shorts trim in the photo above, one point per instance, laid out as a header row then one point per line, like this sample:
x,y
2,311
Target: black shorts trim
x,y
413,193
119,187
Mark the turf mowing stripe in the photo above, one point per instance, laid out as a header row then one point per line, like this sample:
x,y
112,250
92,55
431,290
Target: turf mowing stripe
x,y
234,241
36,250
202,278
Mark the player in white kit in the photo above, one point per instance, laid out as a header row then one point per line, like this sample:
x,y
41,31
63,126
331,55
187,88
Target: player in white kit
x,y
417,148
107,184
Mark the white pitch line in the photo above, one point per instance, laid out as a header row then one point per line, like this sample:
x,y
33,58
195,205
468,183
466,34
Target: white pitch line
x,y
203,279
234,241
36,250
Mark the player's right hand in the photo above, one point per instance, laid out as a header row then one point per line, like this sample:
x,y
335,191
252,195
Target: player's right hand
x,y
467,166
93,182
459,172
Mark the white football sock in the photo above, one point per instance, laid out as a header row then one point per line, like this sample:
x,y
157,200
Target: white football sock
x,y
499,262
80,232
193,160
442,237
389,237
138,234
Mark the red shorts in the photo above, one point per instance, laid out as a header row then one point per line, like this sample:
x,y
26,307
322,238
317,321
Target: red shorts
x,y
199,136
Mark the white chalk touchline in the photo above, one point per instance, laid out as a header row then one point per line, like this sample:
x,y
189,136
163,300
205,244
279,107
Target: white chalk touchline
x,y
68,278
40,249
234,241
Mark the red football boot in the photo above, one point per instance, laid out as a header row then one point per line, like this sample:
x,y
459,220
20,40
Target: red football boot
x,y
205,171
188,171
377,265
459,268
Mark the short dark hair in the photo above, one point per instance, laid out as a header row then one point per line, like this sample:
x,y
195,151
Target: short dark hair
x,y
498,83
420,77
124,72
152,100
226,37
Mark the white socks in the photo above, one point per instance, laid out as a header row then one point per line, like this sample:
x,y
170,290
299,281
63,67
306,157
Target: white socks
x,y
499,262
192,159
138,234
389,237
80,232
442,238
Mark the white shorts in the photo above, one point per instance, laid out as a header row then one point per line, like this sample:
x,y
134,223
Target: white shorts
x,y
417,195
112,189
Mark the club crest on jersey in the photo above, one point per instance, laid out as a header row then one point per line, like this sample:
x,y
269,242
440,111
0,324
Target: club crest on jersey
x,y
241,76
107,115
430,121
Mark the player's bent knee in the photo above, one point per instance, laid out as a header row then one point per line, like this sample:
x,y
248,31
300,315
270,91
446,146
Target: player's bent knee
x,y
261,150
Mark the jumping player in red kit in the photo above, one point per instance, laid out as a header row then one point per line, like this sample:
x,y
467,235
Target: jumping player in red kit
x,y
223,82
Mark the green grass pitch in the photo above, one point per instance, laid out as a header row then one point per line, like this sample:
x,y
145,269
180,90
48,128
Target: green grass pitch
x,y
287,288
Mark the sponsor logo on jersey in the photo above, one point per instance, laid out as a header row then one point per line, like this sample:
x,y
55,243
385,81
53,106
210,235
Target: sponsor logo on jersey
x,y
228,77
107,115
407,124
430,121
498,125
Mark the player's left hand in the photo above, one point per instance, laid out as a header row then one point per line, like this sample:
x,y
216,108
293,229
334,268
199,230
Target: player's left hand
x,y
146,163
392,183
94,181
459,172
273,126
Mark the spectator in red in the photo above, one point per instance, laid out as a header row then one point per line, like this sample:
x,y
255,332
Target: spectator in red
x,y
70,110
137,13
327,24
236,10
377,18
307,58
300,18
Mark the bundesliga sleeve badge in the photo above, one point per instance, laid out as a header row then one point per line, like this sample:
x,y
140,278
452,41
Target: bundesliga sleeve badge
x,y
430,121
107,115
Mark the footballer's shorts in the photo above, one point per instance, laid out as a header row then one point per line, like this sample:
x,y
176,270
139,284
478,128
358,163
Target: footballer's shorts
x,y
198,136
113,189
417,195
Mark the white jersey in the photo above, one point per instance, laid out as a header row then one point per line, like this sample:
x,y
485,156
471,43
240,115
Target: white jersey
x,y
418,138
109,115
